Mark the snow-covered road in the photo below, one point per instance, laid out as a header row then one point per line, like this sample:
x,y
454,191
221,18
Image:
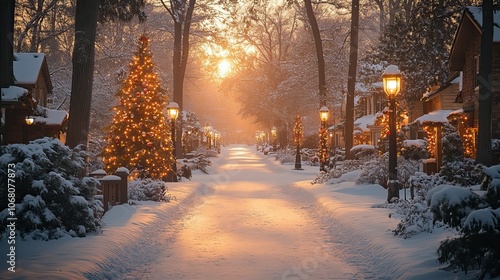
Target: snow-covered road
x,y
250,218
248,228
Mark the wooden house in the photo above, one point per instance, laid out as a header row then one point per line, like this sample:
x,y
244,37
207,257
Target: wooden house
x,y
24,113
465,56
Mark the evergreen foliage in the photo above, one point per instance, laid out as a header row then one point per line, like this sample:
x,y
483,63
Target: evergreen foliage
x,y
478,219
50,199
139,136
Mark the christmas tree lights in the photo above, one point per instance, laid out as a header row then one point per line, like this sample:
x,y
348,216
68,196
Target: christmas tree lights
x,y
139,137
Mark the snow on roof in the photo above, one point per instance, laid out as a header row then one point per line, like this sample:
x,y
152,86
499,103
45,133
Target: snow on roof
x,y
365,121
477,14
438,116
13,93
52,117
27,66
414,143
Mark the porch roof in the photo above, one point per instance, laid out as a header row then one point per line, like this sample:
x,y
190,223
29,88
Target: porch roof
x,y
434,117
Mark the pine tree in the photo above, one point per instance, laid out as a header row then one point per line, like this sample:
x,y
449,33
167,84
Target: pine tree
x,y
139,136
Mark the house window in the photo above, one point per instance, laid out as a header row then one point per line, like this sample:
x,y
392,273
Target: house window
x,y
476,70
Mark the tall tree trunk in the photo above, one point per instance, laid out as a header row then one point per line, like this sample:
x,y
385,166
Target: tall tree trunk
x,y
485,86
83,72
7,8
319,52
182,26
6,42
351,80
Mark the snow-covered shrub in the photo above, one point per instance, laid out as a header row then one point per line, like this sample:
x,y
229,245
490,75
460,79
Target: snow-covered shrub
x,y
451,204
147,189
420,183
414,149
416,217
470,173
363,152
285,156
375,171
495,151
477,246
51,199
342,167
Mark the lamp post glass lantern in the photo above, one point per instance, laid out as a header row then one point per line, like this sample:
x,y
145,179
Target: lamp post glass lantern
x,y
173,113
29,120
323,141
391,79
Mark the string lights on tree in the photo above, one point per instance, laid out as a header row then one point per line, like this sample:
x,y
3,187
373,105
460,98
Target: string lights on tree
x,y
139,137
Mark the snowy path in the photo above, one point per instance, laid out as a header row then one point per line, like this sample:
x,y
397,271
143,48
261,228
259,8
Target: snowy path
x,y
249,228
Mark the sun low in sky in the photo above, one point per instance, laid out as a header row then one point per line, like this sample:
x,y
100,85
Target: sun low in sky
x,y
224,68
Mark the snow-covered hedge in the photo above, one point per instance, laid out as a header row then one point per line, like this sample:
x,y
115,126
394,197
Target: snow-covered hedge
x,y
51,200
363,152
147,189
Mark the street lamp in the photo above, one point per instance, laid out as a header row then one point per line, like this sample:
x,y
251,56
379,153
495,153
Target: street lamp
x,y
273,134
207,135
173,112
392,84
323,153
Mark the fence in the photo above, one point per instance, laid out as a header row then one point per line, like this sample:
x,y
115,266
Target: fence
x,y
114,188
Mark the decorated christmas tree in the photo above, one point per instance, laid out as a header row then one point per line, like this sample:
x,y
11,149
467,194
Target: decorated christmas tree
x,y
139,137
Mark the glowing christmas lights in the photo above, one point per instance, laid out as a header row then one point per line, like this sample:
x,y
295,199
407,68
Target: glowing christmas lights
x,y
139,136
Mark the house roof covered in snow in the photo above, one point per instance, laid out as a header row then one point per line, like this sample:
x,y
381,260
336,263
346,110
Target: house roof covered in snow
x,y
471,23
28,67
13,93
51,117
434,117
365,121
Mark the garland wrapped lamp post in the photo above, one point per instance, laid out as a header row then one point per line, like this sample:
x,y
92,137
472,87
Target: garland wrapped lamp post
x,y
297,139
173,112
323,139
392,84
274,132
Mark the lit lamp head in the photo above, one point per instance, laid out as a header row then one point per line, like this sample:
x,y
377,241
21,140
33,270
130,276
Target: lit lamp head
x,y
392,81
173,110
273,130
323,113
29,120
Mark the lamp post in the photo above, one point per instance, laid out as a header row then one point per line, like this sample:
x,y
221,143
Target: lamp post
x,y
392,84
273,134
323,161
173,112
207,135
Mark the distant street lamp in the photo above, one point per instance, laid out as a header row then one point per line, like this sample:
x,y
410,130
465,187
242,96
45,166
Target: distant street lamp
x,y
273,134
207,136
323,153
392,84
173,112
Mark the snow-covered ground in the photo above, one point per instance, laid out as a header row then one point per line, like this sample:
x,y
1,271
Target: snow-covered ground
x,y
251,218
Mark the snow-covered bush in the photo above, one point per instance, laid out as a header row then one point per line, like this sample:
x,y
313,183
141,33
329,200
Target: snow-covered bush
x,y
286,156
363,152
375,171
414,149
147,189
416,217
478,219
451,204
342,167
470,173
51,199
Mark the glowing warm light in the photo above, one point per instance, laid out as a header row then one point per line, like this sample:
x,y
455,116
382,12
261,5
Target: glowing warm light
x,y
224,68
